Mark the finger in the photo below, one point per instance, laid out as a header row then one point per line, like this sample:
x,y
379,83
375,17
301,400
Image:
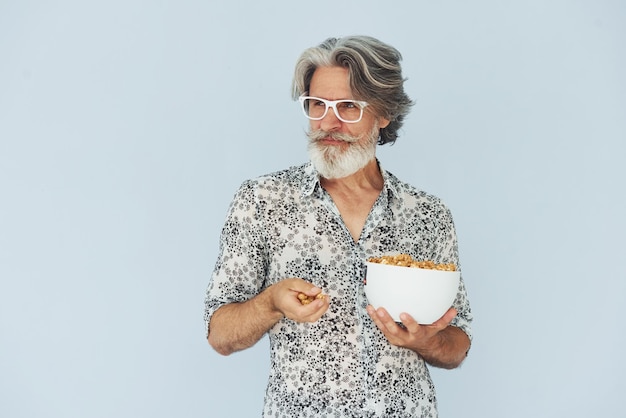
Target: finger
x,y
306,288
449,315
387,321
309,291
315,303
374,316
409,323
308,295
445,320
317,308
371,312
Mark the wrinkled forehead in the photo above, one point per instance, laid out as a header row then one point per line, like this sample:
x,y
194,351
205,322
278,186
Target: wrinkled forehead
x,y
331,83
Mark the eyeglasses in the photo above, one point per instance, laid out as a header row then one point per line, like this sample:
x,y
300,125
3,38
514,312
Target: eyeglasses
x,y
349,111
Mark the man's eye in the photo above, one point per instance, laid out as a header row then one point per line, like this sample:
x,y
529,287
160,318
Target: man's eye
x,y
348,105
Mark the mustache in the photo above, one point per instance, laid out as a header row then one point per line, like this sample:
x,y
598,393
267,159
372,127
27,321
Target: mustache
x,y
319,134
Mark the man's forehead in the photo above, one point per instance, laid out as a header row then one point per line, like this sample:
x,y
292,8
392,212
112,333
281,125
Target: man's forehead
x,y
331,83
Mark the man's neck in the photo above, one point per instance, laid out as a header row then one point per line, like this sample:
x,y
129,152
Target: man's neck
x,y
367,178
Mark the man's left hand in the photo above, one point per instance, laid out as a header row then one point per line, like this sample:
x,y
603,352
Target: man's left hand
x,y
410,334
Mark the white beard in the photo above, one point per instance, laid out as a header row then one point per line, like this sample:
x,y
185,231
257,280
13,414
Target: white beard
x,y
334,162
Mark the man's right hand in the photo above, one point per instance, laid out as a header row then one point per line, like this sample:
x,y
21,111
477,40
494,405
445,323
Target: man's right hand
x,y
284,297
239,325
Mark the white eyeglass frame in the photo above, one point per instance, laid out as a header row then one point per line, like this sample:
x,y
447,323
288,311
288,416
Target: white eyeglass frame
x,y
332,104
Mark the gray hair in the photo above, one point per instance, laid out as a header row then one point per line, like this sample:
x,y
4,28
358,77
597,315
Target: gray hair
x,y
374,71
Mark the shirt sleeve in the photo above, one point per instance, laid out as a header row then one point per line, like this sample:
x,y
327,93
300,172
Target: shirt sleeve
x,y
449,253
239,272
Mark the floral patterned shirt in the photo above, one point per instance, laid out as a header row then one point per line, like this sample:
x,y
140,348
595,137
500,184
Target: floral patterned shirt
x,y
286,225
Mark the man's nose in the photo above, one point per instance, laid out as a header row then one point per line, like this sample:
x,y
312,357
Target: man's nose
x,y
330,121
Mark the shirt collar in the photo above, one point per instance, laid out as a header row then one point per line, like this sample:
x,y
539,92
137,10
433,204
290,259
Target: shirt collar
x,y
390,182
311,180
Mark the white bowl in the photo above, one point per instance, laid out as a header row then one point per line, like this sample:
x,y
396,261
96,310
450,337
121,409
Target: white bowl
x,y
422,293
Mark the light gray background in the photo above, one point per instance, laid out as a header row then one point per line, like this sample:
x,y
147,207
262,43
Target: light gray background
x,y
126,126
